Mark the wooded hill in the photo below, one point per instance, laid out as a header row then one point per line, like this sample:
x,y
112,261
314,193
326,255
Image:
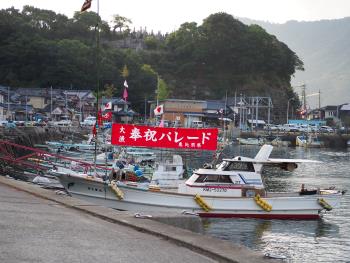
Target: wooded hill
x,y
42,48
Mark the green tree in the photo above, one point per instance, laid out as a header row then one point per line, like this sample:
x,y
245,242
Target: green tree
x,y
109,91
125,72
121,23
162,90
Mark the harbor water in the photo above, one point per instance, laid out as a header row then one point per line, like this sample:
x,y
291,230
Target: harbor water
x,y
323,240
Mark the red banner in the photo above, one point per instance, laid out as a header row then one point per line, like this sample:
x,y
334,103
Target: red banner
x,y
146,136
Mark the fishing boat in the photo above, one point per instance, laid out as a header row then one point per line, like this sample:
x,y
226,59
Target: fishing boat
x,y
233,188
251,141
308,141
279,142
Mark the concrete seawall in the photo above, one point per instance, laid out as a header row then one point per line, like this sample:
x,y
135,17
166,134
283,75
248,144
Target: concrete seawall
x,y
154,241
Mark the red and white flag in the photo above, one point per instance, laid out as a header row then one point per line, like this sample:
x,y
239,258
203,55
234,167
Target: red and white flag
x,y
125,93
107,116
159,110
108,106
94,131
86,5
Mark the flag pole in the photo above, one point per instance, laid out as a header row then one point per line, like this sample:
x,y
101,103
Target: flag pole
x,y
97,32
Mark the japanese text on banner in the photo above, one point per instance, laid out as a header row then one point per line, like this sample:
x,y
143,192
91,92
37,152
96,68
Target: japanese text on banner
x,y
146,136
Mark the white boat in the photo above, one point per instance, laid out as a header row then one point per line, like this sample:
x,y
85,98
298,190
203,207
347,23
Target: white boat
x,y
168,173
233,189
279,142
308,141
251,141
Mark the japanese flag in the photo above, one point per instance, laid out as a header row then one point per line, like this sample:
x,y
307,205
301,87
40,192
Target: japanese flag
x,y
159,110
107,116
108,106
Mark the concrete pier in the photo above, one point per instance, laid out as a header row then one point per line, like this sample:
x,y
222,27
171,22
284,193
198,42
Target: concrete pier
x,y
38,225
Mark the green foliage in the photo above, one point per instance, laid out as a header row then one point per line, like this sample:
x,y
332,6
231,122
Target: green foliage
x,y
109,91
125,72
121,23
42,48
162,90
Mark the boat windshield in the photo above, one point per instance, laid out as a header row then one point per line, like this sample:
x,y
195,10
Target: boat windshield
x,y
213,178
240,166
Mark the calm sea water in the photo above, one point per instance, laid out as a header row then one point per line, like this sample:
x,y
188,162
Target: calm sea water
x,y
323,240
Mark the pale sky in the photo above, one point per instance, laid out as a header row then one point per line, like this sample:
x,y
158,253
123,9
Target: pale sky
x,y
167,16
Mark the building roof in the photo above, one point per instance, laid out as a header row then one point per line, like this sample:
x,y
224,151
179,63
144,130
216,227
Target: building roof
x,y
19,107
180,100
115,100
215,105
345,107
330,108
81,94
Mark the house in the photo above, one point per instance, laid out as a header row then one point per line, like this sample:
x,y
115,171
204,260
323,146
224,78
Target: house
x,y
344,114
59,112
330,112
37,97
179,111
81,102
216,112
122,113
19,112
188,113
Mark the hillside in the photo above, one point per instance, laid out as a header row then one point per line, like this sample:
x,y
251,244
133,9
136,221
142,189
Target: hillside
x,y
220,56
324,47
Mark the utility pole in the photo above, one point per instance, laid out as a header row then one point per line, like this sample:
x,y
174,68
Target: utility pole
x,y
224,118
319,99
145,110
66,100
8,102
304,96
257,113
51,104
26,108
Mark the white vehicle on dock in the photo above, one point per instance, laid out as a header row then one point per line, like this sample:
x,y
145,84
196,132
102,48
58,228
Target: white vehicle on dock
x,y
64,121
290,128
89,121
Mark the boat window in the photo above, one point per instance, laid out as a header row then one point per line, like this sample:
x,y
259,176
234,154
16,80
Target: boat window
x,y
240,166
170,169
213,178
225,179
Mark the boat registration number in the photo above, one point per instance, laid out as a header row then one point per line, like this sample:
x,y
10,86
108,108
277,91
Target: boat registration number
x,y
207,189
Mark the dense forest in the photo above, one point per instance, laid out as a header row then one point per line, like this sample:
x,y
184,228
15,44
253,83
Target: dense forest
x,y
40,48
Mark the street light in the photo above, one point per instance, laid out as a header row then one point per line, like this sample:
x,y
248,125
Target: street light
x,y
288,107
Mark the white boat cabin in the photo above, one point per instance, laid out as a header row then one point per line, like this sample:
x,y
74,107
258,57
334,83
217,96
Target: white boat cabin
x,y
232,178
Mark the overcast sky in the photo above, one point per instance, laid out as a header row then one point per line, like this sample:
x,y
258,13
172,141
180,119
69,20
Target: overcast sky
x,y
169,15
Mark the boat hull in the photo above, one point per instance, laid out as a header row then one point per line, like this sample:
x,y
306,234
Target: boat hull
x,y
138,199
